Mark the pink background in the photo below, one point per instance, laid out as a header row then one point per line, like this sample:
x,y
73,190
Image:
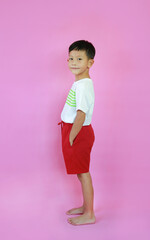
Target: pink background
x,y
35,190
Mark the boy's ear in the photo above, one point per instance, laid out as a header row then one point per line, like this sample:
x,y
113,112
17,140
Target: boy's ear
x,y
67,59
91,61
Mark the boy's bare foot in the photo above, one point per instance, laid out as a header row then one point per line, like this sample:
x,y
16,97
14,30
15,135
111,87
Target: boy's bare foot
x,y
82,220
75,211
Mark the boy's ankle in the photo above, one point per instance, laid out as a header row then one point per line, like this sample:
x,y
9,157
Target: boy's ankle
x,y
90,213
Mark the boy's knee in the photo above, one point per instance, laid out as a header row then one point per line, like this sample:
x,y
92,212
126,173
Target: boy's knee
x,y
81,175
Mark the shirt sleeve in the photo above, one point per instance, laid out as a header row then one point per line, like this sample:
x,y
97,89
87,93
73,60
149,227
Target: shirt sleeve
x,y
84,97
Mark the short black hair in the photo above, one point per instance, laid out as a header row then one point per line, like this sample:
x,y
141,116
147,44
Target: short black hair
x,y
83,45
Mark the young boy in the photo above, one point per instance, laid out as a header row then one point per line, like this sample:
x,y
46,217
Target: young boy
x,y
77,132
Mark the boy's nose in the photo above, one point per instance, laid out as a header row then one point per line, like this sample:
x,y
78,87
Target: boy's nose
x,y
73,63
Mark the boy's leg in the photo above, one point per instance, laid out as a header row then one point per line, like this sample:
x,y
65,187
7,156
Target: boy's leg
x,y
88,191
88,196
78,210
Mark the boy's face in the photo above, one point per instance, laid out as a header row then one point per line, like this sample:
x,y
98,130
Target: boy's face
x,y
79,63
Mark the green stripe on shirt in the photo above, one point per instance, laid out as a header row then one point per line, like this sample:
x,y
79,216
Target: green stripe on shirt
x,y
71,99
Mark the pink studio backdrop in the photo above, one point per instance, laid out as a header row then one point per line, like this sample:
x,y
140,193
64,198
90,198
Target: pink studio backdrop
x,y
35,190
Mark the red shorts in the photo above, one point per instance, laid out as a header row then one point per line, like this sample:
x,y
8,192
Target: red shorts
x,y
77,156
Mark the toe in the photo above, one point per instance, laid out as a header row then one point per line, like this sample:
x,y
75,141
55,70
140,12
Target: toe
x,y
69,220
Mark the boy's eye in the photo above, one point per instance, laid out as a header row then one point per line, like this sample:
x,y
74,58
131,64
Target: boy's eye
x,y
70,58
79,58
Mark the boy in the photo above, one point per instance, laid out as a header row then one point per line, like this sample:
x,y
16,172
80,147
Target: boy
x,y
77,132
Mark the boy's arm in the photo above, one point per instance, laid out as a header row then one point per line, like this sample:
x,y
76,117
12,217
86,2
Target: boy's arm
x,y
77,125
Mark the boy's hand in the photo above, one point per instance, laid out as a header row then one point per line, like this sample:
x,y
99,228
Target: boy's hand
x,y
70,140
77,125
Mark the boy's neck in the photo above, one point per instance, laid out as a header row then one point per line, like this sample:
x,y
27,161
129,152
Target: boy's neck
x,y
77,78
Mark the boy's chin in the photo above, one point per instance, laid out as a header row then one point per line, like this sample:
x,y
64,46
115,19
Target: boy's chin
x,y
76,74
